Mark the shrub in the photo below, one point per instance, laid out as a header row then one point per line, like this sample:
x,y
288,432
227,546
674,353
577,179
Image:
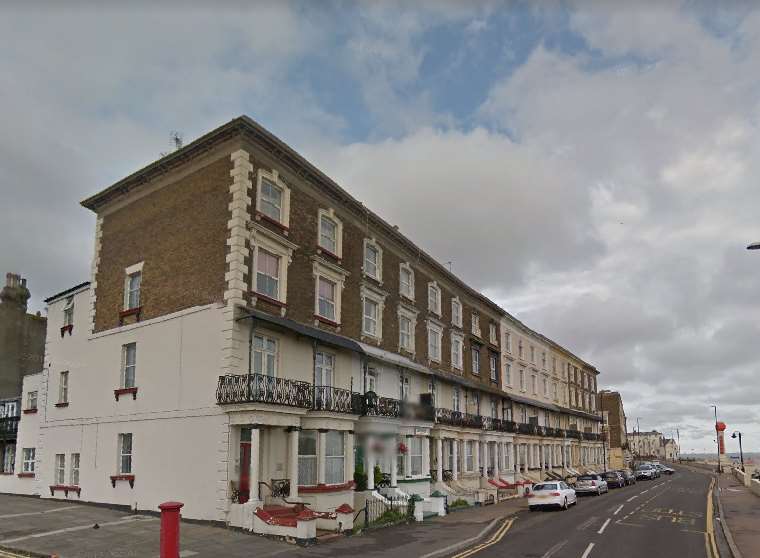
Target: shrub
x,y
458,503
360,478
378,475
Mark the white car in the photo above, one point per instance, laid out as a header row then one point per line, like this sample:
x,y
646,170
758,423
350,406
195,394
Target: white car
x,y
555,494
591,484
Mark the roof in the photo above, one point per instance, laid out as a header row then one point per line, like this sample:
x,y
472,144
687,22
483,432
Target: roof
x,y
69,291
244,126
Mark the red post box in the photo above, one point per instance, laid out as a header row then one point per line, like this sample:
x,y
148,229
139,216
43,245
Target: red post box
x,y
170,529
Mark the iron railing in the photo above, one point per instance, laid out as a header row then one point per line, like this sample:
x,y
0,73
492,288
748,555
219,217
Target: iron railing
x,y
333,399
9,428
258,388
457,418
375,406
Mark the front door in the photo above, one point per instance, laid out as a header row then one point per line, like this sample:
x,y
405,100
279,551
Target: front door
x,y
245,471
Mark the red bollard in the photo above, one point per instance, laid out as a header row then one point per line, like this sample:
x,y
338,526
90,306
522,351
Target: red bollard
x,y
170,529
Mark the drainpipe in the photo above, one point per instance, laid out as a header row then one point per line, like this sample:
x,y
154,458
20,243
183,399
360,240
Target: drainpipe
x,y
250,357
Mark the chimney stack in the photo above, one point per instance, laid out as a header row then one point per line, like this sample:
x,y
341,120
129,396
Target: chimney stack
x,y
15,291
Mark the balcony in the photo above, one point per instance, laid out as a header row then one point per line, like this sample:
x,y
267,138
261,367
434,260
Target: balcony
x,y
258,388
527,428
574,434
332,399
591,436
374,406
9,428
457,418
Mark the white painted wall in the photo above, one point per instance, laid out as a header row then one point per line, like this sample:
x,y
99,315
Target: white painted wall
x,y
28,433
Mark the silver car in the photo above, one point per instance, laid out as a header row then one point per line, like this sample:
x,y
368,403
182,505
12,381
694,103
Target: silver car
x,y
591,484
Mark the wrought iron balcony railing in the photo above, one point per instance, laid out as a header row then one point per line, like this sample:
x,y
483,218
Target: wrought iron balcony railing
x,y
574,434
457,418
337,400
258,388
526,428
375,406
9,428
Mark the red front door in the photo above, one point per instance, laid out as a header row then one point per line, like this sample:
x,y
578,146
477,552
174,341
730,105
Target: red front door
x,y
245,470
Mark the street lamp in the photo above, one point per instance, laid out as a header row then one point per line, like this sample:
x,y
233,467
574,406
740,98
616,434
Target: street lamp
x,y
717,435
741,453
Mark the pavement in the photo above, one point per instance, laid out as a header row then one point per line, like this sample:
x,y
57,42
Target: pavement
x,y
66,529
741,511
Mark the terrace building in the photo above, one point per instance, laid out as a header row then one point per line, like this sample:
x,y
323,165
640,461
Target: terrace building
x,y
253,336
611,404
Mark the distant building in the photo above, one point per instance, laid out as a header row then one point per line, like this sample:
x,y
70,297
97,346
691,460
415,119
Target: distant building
x,y
671,450
22,350
611,404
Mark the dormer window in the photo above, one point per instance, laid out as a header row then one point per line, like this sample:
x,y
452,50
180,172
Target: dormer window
x,y
434,298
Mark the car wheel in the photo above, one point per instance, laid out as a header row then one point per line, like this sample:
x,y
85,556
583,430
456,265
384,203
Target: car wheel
x,y
564,504
598,491
532,508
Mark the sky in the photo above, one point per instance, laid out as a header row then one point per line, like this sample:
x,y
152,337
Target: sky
x,y
590,166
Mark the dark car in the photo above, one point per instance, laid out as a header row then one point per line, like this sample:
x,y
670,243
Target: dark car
x,y
628,476
614,479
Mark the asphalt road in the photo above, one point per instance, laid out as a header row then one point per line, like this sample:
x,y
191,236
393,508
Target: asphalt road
x,y
664,518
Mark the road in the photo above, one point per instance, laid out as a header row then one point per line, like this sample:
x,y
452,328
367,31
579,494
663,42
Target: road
x,y
664,518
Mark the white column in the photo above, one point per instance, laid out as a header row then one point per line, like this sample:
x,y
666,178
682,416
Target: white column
x,y
255,468
516,456
455,450
394,463
497,459
321,450
439,459
425,456
348,455
542,456
293,463
476,456
369,463
486,461
408,458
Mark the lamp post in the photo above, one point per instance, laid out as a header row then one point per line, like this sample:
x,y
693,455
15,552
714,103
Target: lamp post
x,y
717,435
741,453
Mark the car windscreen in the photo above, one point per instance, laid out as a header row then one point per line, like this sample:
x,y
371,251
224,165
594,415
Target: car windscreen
x,y
586,477
610,475
538,487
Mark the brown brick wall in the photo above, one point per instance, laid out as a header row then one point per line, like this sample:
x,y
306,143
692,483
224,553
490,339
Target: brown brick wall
x,y
304,211
180,232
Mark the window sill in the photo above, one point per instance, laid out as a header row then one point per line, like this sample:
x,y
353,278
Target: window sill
x,y
7,474
326,252
326,321
125,391
25,475
128,478
267,219
65,488
67,329
66,404
30,411
267,299
320,488
130,312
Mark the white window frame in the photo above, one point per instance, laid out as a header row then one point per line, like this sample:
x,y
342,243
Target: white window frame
x,y
493,367
416,452
405,267
476,324
265,354
457,359
31,400
335,458
523,385
469,460
59,477
334,274
311,458
9,458
273,176
475,358
273,279
508,341
492,334
533,354
434,329
371,243
124,352
377,297
534,384
520,349
74,469
508,374
63,387
405,313
373,377
330,214
456,311
28,460
456,401
132,271
403,387
545,380
264,239
434,289
68,311
123,436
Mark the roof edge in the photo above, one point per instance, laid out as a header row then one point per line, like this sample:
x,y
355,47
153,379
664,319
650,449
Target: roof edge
x,y
68,291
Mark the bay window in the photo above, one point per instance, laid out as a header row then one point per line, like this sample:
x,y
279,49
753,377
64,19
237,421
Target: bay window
x,y
334,457
307,457
415,451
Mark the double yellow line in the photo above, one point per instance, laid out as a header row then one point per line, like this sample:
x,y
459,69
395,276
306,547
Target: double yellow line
x,y
710,546
497,536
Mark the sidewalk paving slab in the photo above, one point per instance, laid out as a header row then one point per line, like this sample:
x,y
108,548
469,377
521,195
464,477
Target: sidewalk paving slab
x,y
741,510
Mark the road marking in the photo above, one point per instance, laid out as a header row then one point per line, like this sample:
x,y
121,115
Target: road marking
x,y
586,524
549,553
617,511
79,528
712,549
604,526
9,515
492,541
632,498
588,550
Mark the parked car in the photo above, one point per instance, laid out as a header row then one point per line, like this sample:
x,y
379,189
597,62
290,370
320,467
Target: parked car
x,y
664,469
613,479
646,472
628,475
591,484
554,494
